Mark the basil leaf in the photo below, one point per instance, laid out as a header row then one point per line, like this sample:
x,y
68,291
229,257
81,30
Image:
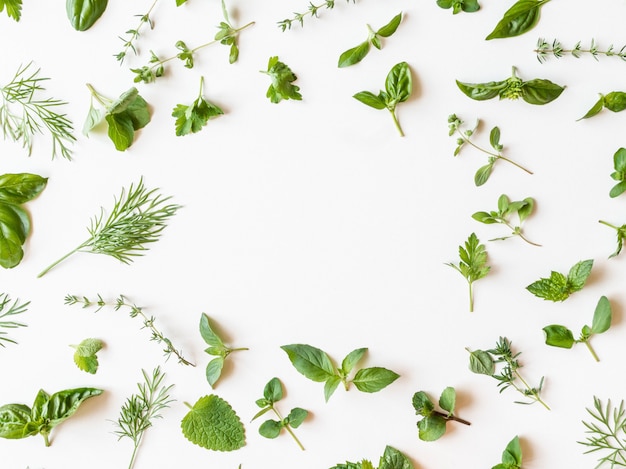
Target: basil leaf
x,y
354,55
352,359
297,416
482,91
540,91
369,98
20,188
84,13
390,27
310,361
399,83
595,109
615,101
330,386
14,228
482,363
121,130
619,160
38,411
559,336
14,420
122,103
518,19
617,189
63,404
601,316
374,379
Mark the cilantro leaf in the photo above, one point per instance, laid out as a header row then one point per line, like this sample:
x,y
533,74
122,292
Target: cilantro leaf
x,y
558,287
14,8
85,355
191,119
282,79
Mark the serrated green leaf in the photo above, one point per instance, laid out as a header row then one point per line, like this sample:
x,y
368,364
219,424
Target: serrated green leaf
x,y
422,404
392,459
554,288
579,273
191,119
374,379
208,334
282,86
85,355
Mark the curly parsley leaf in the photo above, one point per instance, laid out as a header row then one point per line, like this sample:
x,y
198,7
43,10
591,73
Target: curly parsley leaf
x,y
282,79
85,355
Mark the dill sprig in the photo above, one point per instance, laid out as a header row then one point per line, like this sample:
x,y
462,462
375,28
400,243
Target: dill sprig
x,y
133,34
23,114
545,49
608,433
141,409
138,217
13,309
135,311
312,11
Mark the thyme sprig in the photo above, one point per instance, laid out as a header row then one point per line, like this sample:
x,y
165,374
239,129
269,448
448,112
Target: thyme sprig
x,y
138,217
135,311
133,34
23,114
608,432
545,49
13,309
311,11
141,409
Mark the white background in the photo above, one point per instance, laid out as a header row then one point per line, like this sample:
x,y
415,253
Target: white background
x,y
314,222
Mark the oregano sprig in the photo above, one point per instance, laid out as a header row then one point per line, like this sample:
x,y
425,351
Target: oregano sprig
x,y
312,11
473,264
129,43
506,208
9,309
545,49
433,424
216,348
558,287
358,53
607,432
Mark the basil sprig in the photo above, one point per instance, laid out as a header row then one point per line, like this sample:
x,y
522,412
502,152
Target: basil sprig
x,y
614,101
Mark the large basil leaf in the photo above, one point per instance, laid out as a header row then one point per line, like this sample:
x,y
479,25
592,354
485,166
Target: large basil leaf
x,y
14,228
518,19
482,91
398,83
540,91
84,13
14,419
20,188
62,405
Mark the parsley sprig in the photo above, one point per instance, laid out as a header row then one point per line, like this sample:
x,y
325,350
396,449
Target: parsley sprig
x,y
473,264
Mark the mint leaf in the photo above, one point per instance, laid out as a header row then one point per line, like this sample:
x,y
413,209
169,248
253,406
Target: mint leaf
x,y
213,424
558,287
579,273
85,355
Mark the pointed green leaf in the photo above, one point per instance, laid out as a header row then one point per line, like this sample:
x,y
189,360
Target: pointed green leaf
x,y
422,404
559,336
297,416
310,361
374,379
354,55
447,401
351,360
595,109
579,273
273,391
330,386
390,27
482,363
207,333
392,459
214,370
482,175
370,99
520,18
602,316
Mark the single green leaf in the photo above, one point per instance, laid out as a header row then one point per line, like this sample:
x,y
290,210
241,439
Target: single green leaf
x,y
265,410
85,355
619,160
484,217
370,99
559,336
494,138
447,400
348,363
482,175
14,228
512,455
617,189
602,316
138,112
63,404
84,13
330,386
214,370
207,333
392,459
526,208
482,91
520,18
14,420
297,416
482,363
615,101
579,273
354,55
213,424
595,109
13,8
540,91
390,27
270,428
554,288
121,130
431,428
374,379
20,188
422,404
273,391
94,117
38,411
310,361
399,82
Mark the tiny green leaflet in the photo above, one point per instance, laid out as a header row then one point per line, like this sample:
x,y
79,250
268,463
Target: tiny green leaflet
x,y
619,164
356,54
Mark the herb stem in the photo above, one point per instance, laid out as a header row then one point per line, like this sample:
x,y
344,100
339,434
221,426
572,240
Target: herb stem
x,y
134,455
608,224
593,352
452,417
58,261
287,427
471,296
494,155
46,439
532,391
395,121
518,232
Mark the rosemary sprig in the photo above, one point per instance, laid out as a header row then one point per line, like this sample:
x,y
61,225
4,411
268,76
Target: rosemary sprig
x,y
13,309
133,34
23,114
135,311
311,11
138,217
141,409
608,433
545,49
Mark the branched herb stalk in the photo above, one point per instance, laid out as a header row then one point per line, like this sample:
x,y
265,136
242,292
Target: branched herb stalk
x,y
506,208
23,114
138,217
139,410
135,311
133,34
465,137
545,49
6,322
608,433
311,11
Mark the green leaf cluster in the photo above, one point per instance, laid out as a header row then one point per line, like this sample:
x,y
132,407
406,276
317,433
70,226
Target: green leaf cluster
x,y
16,190
84,13
20,421
511,456
282,77
358,53
85,355
14,309
216,348
191,118
391,459
619,163
615,101
621,236
559,287
468,6
13,8
520,18
473,264
433,424
537,91
607,433
123,117
398,88
506,209
213,424
507,375
316,365
272,393
228,35
561,336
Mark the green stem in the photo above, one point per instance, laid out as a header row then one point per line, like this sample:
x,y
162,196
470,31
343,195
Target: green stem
x,y
531,390
494,155
452,417
593,352
55,263
134,455
46,440
518,232
395,121
97,96
471,297
287,427
608,224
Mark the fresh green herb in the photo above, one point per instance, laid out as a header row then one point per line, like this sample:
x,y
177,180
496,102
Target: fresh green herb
x,y
14,309
135,311
191,118
537,91
20,421
358,53
228,35
316,365
216,348
615,101
468,6
398,88
85,355
433,424
14,8
545,49
484,362
520,18
311,11
282,79
272,393
506,208
124,116
140,410
137,219
391,459
619,163
465,136
23,114
558,287
84,13
608,430
16,190
133,34
621,236
561,336
213,424
511,456
473,265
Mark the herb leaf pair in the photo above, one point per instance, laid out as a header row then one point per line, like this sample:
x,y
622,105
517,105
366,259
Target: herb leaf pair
x,y
398,88
520,18
468,6
473,265
559,287
615,101
391,459
16,190
506,208
433,424
191,118
537,91
511,456
561,336
282,86
358,53
316,365
216,348
85,355
272,393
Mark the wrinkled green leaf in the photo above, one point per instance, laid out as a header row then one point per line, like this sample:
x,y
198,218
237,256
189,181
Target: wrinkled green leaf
x,y
447,400
431,428
399,83
393,459
84,13
422,404
14,420
282,79
85,355
615,101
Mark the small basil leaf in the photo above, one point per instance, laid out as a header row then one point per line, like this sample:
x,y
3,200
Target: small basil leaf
x,y
20,188
374,379
618,189
121,130
84,13
601,316
481,363
370,99
63,404
540,91
399,83
518,19
354,55
481,91
273,391
348,363
595,109
390,27
559,336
